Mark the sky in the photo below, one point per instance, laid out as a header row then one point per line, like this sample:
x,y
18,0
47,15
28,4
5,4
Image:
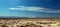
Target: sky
x,y
30,8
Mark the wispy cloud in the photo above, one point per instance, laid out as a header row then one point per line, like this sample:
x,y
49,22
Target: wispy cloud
x,y
36,9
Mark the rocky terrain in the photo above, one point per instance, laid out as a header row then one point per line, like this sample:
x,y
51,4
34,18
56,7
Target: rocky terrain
x,y
30,22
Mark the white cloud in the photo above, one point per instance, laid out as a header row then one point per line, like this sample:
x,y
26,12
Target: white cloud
x,y
36,9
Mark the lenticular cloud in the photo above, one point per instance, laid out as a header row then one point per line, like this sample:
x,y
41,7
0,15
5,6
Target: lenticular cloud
x,y
35,9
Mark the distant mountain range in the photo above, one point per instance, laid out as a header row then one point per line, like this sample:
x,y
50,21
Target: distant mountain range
x,y
25,17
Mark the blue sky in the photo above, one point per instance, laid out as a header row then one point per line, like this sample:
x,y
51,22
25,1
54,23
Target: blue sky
x,y
30,8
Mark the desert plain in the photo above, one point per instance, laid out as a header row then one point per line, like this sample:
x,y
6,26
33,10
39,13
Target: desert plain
x,y
30,22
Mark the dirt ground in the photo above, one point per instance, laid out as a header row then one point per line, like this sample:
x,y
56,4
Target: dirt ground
x,y
37,22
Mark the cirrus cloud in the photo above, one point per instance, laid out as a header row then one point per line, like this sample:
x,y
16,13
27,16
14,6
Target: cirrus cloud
x,y
36,9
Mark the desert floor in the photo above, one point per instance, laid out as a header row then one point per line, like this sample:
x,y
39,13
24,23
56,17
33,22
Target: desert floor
x,y
37,22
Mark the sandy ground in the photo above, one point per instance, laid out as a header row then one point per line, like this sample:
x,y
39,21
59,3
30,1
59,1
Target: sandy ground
x,y
30,22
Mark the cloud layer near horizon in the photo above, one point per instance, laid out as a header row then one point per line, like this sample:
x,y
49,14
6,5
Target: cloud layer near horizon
x,y
36,9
